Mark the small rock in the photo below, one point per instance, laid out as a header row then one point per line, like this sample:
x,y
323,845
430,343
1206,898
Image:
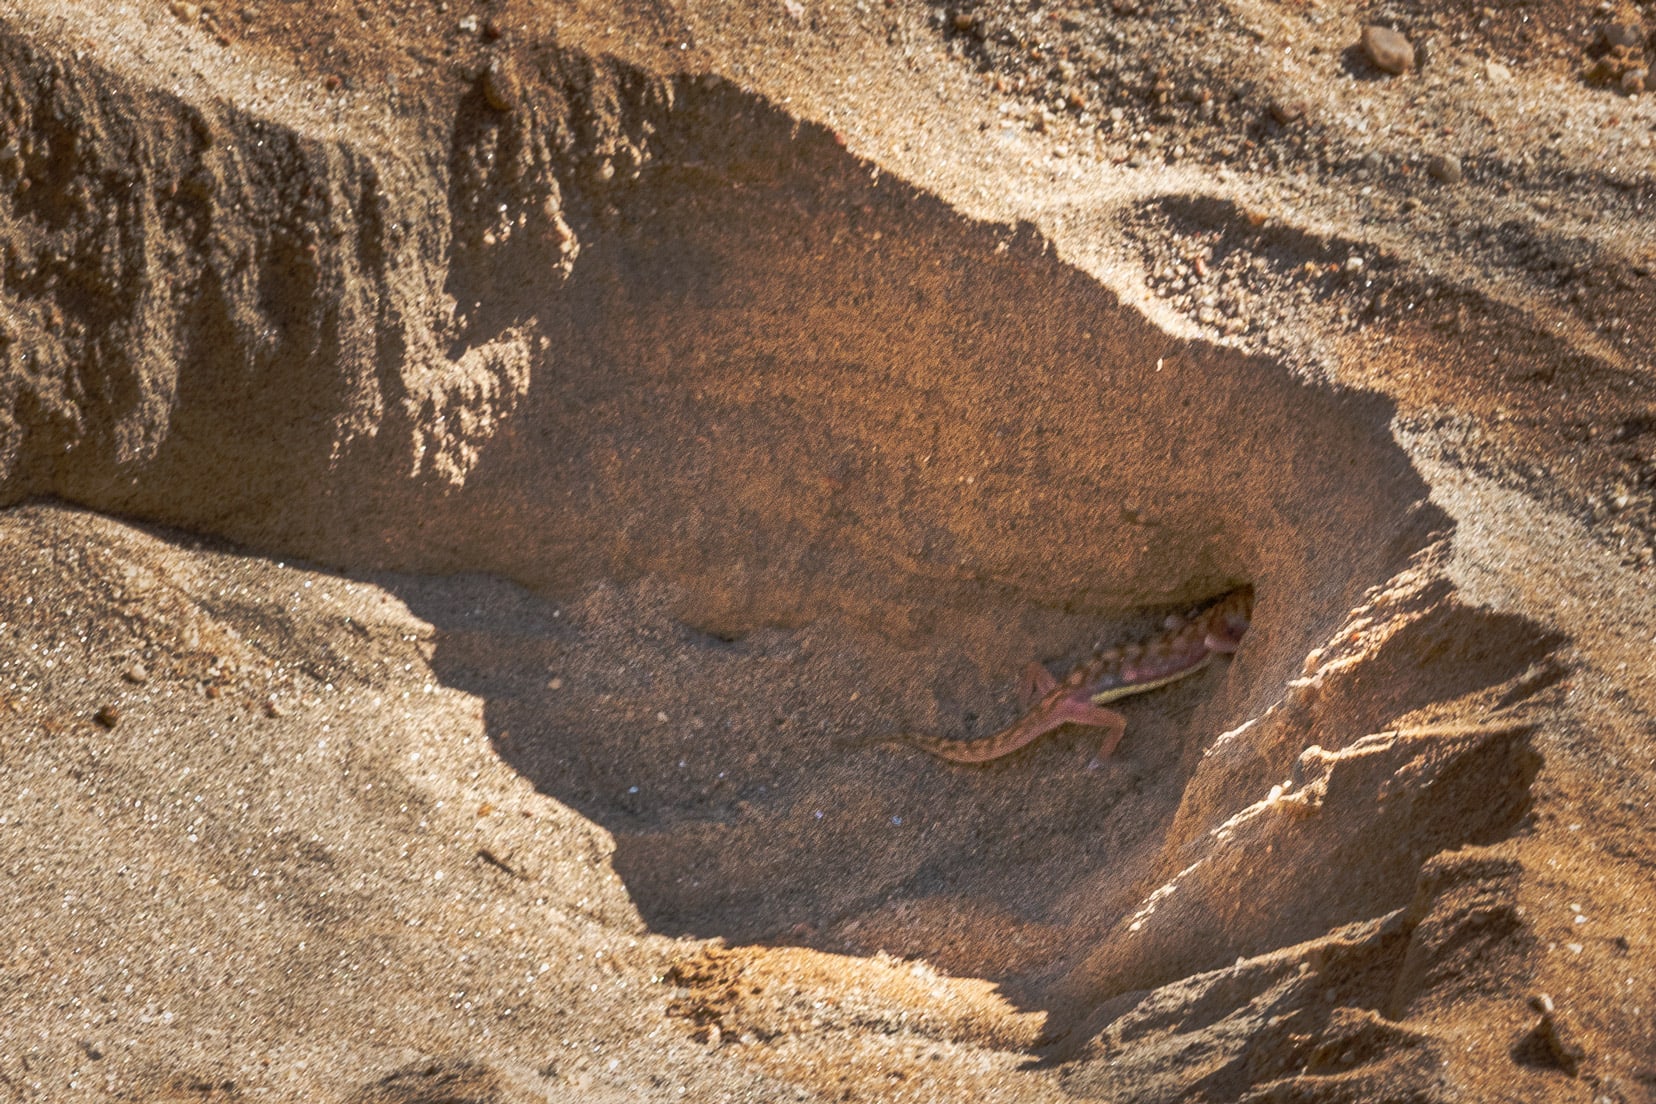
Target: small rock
x,y
1387,50
1287,111
108,716
1635,81
1498,73
136,672
1444,168
1627,36
500,84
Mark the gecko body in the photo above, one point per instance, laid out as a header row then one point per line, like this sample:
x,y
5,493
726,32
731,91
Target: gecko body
x,y
1187,645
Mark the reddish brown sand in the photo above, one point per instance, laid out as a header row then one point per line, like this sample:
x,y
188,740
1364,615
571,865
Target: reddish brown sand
x,y
479,477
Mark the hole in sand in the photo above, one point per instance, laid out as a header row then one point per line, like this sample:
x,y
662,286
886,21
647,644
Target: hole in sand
x,y
827,462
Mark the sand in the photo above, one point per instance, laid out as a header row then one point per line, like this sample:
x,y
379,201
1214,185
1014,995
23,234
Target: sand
x,y
480,480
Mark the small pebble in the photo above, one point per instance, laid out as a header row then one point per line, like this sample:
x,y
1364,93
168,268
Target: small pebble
x,y
136,672
1287,111
108,716
1444,168
500,84
1627,36
1389,51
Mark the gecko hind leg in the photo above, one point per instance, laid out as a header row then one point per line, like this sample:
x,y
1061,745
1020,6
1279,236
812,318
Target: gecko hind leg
x,y
1113,724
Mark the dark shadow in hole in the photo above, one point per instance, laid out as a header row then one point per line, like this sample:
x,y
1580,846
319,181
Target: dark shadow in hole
x,y
715,809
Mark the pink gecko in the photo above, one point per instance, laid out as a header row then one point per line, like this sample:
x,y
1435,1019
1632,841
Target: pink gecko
x,y
1187,646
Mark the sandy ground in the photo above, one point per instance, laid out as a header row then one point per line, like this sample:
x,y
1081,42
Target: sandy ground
x,y
481,479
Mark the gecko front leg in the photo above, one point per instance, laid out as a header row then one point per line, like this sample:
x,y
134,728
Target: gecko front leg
x,y
1037,682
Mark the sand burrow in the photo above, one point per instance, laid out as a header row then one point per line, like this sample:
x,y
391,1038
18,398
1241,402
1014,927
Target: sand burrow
x,y
787,453
816,459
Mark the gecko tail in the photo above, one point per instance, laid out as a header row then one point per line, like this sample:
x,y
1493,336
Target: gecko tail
x,y
866,740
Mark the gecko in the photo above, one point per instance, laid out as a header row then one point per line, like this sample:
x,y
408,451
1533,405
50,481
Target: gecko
x,y
1185,646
